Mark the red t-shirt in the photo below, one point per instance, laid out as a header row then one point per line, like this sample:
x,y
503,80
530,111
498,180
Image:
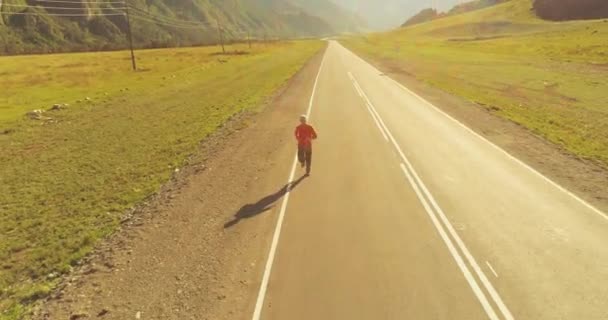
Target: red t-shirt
x,y
305,134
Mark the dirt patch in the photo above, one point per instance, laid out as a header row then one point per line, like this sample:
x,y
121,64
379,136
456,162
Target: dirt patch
x,y
173,257
480,38
231,53
587,179
523,94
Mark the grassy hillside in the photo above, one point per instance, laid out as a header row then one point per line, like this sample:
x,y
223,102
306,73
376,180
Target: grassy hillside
x,y
473,5
67,180
424,15
429,14
32,27
549,77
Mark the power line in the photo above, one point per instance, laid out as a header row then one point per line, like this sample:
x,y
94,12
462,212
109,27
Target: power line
x,y
138,14
155,20
165,23
63,14
61,8
169,19
148,17
165,19
83,2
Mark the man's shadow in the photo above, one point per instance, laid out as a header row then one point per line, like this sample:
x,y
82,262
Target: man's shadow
x,y
253,209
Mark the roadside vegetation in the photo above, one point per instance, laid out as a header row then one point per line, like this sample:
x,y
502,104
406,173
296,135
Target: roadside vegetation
x,y
68,176
550,77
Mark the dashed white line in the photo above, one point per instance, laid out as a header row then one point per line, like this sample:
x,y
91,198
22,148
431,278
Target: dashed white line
x,y
257,313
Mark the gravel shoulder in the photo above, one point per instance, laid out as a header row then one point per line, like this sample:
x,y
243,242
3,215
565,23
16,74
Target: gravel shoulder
x,y
585,178
196,250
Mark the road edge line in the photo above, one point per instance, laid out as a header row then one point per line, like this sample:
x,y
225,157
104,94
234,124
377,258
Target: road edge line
x,y
512,157
257,313
446,222
429,203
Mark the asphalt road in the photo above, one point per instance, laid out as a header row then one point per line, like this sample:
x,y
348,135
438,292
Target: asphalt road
x,y
410,215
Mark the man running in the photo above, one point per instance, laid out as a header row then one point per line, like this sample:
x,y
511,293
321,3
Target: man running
x,y
305,133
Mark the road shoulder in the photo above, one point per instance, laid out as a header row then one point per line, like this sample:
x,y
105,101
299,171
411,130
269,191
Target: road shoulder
x,y
196,250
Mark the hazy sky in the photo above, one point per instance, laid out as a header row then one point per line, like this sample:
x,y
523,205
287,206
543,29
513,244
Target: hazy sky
x,y
392,13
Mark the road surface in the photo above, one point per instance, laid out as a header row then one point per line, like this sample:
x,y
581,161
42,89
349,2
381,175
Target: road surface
x,y
410,215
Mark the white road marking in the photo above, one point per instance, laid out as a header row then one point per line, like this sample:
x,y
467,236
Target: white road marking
x,y
555,184
356,88
369,109
377,122
568,192
277,231
439,212
459,261
492,269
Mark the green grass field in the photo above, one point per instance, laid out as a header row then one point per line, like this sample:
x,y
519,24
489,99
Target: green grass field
x,y
65,183
549,77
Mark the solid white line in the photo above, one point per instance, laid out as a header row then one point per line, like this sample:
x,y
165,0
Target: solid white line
x,y
484,280
371,106
358,88
277,231
354,83
377,122
568,192
492,269
555,184
463,268
487,284
369,109
314,88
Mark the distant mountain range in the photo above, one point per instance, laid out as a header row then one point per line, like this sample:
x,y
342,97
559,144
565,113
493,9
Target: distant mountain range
x,y
388,14
545,9
432,14
39,26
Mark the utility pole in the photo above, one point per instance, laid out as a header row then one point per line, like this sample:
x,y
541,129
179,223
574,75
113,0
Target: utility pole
x,y
220,35
130,36
249,38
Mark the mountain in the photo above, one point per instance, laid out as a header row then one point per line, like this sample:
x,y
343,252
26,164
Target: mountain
x,y
341,19
422,16
41,26
388,14
545,9
432,14
474,5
